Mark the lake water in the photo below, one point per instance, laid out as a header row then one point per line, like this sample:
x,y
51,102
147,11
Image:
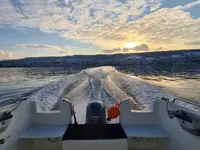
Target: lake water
x,y
16,82
107,84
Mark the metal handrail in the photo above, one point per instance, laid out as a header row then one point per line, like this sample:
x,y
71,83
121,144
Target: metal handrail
x,y
183,100
11,101
186,101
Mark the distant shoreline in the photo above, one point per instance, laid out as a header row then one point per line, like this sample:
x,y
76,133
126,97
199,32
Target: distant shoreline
x,y
170,58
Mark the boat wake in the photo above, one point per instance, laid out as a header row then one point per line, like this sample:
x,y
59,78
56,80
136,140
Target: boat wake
x,y
103,84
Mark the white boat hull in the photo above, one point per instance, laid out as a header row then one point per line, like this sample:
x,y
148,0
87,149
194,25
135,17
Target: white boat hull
x,y
33,129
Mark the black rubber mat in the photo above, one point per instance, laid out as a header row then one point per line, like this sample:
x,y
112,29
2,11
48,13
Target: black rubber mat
x,y
94,131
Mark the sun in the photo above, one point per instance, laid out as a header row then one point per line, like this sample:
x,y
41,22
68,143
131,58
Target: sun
x,y
130,45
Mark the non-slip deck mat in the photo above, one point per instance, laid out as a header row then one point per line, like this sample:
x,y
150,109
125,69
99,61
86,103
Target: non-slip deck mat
x,y
94,131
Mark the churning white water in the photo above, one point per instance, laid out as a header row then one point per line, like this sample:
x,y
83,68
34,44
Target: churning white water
x,y
104,84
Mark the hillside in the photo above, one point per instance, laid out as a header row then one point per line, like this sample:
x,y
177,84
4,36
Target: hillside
x,y
187,57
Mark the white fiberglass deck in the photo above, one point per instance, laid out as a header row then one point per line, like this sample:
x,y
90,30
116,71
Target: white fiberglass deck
x,y
31,129
145,130
43,132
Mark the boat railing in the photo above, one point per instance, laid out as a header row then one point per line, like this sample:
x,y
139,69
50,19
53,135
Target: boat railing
x,y
191,102
186,101
11,101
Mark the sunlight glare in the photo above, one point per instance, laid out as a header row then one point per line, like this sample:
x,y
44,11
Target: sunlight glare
x,y
130,45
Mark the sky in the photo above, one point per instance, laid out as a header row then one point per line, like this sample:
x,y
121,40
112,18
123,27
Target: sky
x,y
37,28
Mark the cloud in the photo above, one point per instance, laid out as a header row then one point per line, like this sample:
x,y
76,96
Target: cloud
x,y
189,5
61,50
65,52
170,28
159,48
15,55
155,6
55,15
106,24
126,49
40,46
72,19
10,55
110,51
193,43
4,55
37,46
2,52
142,47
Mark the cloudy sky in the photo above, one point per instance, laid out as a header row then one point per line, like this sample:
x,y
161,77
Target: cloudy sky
x,y
33,28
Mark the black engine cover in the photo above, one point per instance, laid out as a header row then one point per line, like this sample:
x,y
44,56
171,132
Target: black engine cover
x,y
95,113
